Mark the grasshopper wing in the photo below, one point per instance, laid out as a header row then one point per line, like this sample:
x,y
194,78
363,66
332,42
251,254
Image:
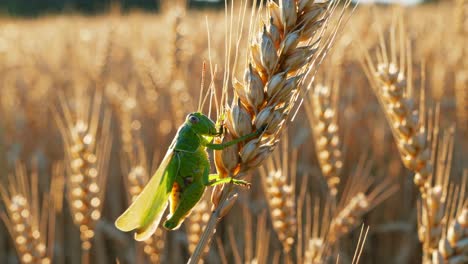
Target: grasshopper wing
x,y
145,213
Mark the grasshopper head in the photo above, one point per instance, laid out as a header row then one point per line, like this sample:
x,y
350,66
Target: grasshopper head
x,y
201,124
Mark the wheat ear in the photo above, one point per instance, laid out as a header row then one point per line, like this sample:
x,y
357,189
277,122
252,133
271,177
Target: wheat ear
x,y
322,113
432,216
278,182
390,79
453,245
30,225
286,48
87,149
415,133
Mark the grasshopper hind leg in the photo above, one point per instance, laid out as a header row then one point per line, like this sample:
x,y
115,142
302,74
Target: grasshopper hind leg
x,y
176,194
188,199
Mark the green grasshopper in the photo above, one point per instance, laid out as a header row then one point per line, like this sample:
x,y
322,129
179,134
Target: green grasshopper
x,y
181,179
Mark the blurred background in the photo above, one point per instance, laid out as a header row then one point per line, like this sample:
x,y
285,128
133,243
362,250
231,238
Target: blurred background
x,y
92,93
35,8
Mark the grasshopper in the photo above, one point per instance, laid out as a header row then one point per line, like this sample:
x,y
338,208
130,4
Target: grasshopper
x,y
181,179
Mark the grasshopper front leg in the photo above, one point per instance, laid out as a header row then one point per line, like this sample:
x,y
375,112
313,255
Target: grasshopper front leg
x,y
235,141
214,179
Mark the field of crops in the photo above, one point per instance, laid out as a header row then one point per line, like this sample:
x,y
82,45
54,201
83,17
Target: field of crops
x,y
358,117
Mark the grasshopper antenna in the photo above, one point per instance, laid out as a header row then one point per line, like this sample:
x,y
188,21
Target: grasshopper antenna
x,y
202,85
212,90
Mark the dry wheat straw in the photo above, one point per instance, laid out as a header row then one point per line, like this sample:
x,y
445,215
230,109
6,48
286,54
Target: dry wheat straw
x,y
31,224
262,240
287,47
87,147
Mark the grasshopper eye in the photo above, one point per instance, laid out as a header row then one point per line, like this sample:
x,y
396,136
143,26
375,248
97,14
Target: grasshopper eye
x,y
194,119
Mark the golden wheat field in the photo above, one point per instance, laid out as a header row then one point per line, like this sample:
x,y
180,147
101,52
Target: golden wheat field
x,y
356,121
